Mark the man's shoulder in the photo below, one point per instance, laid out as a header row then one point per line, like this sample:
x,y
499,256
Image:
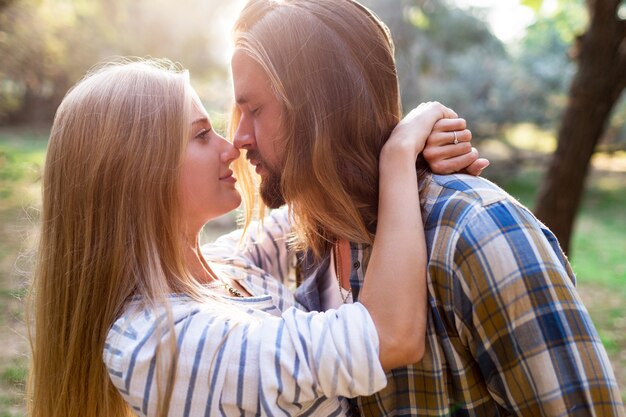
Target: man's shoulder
x,y
465,188
458,200
473,211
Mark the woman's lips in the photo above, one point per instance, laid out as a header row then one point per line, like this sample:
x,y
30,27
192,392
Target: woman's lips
x,y
228,177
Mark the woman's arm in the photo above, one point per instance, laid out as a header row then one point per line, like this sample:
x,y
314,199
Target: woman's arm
x,y
394,291
231,361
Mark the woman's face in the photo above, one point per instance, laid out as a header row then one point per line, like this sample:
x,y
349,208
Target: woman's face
x,y
207,182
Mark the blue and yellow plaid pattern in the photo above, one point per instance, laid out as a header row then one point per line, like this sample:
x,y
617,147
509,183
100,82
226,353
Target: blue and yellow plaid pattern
x,y
507,332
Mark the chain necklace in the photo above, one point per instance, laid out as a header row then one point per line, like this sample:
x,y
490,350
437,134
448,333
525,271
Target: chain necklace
x,y
218,283
338,268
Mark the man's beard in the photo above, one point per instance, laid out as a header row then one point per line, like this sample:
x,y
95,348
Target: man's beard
x,y
270,188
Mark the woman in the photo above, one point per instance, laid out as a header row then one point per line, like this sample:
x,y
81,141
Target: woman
x,y
133,172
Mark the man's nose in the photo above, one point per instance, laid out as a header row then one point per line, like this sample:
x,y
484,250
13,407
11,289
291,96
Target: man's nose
x,y
244,136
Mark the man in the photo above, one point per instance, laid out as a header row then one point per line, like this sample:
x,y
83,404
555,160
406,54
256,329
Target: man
x,y
507,334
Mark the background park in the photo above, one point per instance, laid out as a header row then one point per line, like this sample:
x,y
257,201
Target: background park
x,y
539,82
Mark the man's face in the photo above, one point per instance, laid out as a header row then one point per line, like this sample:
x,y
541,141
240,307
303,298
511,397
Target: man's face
x,y
259,129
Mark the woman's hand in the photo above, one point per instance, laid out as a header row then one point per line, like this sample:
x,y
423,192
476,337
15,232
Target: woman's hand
x,y
448,149
410,135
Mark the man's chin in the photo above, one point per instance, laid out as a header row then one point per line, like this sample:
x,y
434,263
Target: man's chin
x,y
272,201
271,192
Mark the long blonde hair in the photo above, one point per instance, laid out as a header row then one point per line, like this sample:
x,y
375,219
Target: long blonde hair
x,y
331,65
110,228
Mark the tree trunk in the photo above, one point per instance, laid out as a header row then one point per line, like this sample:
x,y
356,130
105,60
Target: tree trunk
x,y
595,89
4,4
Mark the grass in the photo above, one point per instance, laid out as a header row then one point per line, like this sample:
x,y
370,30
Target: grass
x,y
21,158
598,250
600,239
14,374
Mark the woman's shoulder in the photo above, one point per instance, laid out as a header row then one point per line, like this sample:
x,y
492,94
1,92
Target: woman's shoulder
x,y
138,322
141,331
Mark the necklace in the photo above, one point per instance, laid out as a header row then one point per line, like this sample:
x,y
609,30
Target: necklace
x,y
234,291
218,283
223,284
215,282
338,264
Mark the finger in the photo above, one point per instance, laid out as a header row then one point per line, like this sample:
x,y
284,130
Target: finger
x,y
477,167
449,125
449,113
436,153
447,138
455,164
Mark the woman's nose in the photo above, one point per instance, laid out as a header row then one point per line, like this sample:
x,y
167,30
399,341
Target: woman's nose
x,y
230,153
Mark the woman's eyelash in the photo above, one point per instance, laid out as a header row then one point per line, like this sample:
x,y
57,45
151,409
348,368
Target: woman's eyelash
x,y
203,133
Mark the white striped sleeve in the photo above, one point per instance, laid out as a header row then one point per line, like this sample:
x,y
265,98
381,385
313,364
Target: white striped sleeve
x,y
265,247
276,366
334,353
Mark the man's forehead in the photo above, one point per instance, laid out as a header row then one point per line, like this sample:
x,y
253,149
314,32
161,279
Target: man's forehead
x,y
249,79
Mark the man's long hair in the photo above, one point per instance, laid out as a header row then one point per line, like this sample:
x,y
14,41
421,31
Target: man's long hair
x,y
331,65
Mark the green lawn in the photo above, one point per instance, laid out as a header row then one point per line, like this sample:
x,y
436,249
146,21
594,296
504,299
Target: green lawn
x,y
598,253
21,158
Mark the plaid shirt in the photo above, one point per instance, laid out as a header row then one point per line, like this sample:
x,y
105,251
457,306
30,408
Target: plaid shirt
x,y
507,332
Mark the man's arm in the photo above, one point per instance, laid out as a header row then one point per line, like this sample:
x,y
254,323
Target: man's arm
x,y
527,328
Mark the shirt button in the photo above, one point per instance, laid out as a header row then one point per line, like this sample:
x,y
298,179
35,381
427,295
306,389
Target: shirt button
x,y
356,265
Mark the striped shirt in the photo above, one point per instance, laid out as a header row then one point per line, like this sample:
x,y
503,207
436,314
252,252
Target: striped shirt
x,y
507,332
262,355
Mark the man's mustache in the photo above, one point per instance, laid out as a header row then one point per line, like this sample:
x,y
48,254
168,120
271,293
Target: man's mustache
x,y
254,155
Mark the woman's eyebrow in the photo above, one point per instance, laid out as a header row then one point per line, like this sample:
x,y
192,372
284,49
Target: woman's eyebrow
x,y
200,120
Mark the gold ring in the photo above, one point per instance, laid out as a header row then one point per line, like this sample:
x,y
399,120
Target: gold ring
x,y
456,140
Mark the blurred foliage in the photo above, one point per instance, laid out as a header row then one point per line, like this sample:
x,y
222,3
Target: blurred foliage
x,y
448,54
545,53
443,52
47,45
